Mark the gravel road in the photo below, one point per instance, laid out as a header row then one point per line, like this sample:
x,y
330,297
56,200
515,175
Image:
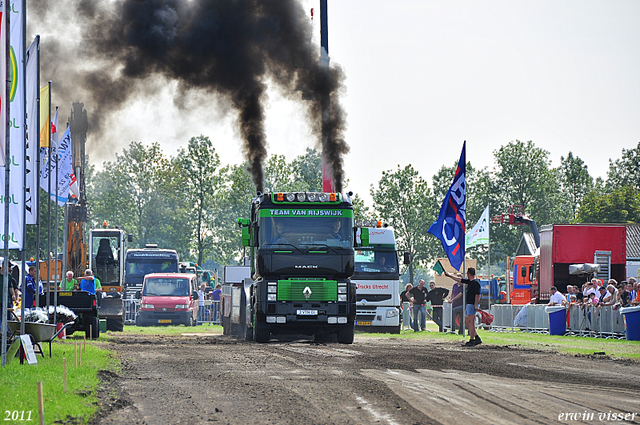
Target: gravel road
x,y
204,378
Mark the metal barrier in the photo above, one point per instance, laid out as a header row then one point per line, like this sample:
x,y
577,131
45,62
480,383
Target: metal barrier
x,y
131,307
211,313
582,320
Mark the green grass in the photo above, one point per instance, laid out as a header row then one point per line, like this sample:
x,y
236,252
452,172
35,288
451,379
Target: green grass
x,y
561,344
80,402
169,330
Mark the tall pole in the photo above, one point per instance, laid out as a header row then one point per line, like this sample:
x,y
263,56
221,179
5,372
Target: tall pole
x,y
23,284
49,202
7,162
327,174
37,189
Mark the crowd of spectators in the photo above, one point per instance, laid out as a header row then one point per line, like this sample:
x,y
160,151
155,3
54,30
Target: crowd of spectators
x,y
599,294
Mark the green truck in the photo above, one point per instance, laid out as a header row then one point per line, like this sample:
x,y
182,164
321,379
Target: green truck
x,y
302,257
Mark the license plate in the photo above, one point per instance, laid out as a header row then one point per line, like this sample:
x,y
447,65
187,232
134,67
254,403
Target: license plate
x,y
65,294
364,323
307,312
164,320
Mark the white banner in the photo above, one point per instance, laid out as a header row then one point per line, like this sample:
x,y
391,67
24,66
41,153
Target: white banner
x,y
16,135
479,235
62,155
33,132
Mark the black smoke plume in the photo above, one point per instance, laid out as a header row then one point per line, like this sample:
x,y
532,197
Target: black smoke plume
x,y
226,49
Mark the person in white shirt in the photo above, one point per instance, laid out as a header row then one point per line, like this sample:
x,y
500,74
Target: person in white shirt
x,y
556,297
590,287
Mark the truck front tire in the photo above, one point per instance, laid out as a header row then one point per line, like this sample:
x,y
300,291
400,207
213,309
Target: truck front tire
x,y
260,331
346,334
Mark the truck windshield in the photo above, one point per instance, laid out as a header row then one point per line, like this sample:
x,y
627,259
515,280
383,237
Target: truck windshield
x,y
166,287
144,266
306,232
370,261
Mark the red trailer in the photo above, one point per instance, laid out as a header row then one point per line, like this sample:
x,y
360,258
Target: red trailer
x,y
564,244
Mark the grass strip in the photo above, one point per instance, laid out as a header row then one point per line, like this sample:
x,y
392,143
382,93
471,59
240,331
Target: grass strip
x,y
77,405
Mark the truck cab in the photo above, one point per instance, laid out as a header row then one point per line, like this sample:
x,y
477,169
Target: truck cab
x,y
302,256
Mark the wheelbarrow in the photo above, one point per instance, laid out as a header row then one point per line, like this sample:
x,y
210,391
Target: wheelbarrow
x,y
39,332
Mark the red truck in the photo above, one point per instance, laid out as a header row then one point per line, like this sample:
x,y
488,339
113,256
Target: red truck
x,y
562,245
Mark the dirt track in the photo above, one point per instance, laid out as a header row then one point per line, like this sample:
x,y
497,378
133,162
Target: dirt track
x,y
197,379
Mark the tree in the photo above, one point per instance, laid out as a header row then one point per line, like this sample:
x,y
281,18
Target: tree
x,y
575,181
622,205
139,193
626,170
404,200
198,167
523,176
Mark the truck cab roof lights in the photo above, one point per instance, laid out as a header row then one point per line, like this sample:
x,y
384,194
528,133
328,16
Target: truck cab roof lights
x,y
280,196
301,197
332,197
291,197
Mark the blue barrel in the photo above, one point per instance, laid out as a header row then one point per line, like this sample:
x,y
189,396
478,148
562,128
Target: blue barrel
x,y
632,321
557,319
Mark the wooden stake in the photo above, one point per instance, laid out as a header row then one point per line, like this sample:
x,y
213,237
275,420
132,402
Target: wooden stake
x,y
64,373
80,359
84,342
40,403
76,341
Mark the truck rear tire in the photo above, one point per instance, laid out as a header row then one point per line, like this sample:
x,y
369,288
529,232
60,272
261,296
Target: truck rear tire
x,y
116,324
346,334
92,327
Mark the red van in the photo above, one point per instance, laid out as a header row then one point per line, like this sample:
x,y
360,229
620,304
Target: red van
x,y
168,299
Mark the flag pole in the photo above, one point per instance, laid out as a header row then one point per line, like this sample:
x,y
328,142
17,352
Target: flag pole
x,y
49,202
38,159
489,255
7,161
23,284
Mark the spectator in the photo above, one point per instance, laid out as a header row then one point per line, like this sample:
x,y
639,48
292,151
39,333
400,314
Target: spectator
x,y
405,298
635,287
12,295
589,288
436,296
418,297
201,295
91,284
456,306
472,304
556,297
215,296
69,283
31,287
603,296
6,300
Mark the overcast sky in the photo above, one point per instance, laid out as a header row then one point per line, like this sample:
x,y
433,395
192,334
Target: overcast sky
x,y
423,76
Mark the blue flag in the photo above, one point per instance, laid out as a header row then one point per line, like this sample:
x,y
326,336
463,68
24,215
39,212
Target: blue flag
x,y
450,226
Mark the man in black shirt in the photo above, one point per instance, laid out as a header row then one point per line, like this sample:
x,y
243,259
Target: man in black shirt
x,y
472,304
418,296
436,296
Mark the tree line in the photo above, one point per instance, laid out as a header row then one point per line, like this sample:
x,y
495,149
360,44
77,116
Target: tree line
x,y
191,202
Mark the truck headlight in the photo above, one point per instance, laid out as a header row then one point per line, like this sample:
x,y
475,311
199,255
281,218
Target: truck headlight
x,y
342,297
272,297
150,306
392,313
182,306
342,289
272,289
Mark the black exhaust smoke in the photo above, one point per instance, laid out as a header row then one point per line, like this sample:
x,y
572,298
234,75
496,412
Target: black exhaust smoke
x,y
230,49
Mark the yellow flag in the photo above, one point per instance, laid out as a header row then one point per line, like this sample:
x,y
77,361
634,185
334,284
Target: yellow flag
x,y
45,120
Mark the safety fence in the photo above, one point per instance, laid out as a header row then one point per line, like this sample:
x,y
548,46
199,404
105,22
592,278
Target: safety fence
x,y
582,320
210,314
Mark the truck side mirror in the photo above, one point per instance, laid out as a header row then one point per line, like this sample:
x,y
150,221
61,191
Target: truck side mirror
x,y
129,237
194,295
524,271
246,236
364,236
138,295
407,258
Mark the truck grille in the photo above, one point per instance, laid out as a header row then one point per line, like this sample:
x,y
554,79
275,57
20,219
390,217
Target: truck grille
x,y
318,290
